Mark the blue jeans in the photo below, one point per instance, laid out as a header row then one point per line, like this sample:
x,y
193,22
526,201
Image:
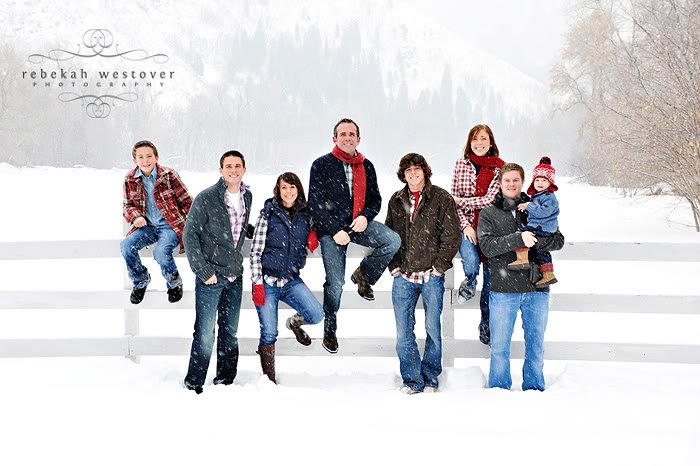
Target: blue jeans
x,y
415,373
470,263
215,304
298,296
166,241
534,307
384,241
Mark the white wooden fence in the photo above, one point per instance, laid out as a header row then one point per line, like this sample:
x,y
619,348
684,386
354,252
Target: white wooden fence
x,y
133,345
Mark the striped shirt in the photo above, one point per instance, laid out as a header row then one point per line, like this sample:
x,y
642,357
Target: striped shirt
x,y
348,176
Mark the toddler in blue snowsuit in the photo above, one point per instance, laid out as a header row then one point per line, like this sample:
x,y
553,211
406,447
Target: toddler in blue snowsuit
x,y
542,213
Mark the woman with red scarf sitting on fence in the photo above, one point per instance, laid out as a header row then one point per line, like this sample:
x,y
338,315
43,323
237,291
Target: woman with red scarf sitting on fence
x,y
474,187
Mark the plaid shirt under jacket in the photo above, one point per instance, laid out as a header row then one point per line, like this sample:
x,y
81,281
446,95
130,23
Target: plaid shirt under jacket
x,y
257,247
170,194
237,218
464,186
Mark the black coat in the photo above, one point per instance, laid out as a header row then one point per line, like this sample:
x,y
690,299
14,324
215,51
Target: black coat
x,y
499,235
330,202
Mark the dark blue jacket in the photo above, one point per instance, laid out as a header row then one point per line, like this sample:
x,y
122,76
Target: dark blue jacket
x,y
542,211
285,245
330,202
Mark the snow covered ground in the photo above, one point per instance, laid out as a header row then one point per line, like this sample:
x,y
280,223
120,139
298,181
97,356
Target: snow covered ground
x,y
339,410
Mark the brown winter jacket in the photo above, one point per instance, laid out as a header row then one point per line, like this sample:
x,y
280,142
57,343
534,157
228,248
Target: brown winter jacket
x,y
432,240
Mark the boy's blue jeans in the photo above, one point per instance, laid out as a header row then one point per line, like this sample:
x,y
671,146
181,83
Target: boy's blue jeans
x,y
298,296
534,307
220,304
166,241
415,373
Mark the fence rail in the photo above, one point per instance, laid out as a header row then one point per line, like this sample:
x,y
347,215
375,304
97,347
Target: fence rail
x,y
133,345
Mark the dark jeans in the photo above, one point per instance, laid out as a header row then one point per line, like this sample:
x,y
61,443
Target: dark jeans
x,y
215,304
378,236
541,257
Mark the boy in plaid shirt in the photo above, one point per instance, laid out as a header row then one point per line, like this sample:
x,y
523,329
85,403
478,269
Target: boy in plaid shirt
x,y
156,203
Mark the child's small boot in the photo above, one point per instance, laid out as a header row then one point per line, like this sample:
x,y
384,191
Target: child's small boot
x,y
521,262
548,277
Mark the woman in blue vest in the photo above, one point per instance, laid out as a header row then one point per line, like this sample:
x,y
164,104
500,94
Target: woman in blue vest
x,y
277,255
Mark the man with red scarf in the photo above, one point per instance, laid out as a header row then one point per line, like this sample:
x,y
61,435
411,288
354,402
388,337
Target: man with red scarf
x,y
344,199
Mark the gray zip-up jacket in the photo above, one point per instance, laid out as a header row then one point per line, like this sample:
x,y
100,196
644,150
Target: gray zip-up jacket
x,y
500,234
208,238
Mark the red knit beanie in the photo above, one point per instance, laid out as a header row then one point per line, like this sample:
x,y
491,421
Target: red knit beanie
x,y
543,170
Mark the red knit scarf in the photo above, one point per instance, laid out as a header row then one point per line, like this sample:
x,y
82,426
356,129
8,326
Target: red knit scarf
x,y
359,180
487,170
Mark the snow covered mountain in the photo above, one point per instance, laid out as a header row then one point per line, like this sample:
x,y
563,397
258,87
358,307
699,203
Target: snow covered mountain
x,y
267,77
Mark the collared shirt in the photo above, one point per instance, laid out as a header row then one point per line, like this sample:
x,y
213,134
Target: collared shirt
x,y
256,250
149,183
415,200
236,215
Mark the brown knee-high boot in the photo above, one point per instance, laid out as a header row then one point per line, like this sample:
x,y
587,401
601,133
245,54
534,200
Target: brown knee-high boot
x,y
267,360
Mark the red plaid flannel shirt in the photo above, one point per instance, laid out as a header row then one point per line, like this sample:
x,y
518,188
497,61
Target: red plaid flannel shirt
x,y
169,192
464,186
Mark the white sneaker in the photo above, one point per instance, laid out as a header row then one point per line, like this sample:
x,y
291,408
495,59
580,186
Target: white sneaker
x,y
408,390
430,390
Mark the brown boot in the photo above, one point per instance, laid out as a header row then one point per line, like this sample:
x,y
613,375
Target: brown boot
x,y
364,289
548,278
294,324
267,360
521,262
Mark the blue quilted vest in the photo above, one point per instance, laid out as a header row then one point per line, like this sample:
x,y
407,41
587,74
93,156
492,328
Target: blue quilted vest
x,y
285,246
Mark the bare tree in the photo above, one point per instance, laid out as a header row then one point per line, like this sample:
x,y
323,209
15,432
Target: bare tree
x,y
644,102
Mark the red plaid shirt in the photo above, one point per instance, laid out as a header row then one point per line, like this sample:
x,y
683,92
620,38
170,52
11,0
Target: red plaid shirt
x,y
169,192
464,186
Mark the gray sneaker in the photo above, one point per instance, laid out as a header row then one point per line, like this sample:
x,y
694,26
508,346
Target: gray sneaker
x,y
466,292
408,390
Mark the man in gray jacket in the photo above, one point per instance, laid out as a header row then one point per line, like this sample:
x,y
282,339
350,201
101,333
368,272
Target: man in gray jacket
x,y
500,234
425,217
213,237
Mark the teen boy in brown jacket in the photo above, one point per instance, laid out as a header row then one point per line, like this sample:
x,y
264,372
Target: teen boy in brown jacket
x,y
425,217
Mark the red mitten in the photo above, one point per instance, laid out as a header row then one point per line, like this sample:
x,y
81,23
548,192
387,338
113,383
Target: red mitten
x,y
312,241
258,295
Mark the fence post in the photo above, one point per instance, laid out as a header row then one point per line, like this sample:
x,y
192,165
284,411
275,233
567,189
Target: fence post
x,y
131,329
448,320
131,315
